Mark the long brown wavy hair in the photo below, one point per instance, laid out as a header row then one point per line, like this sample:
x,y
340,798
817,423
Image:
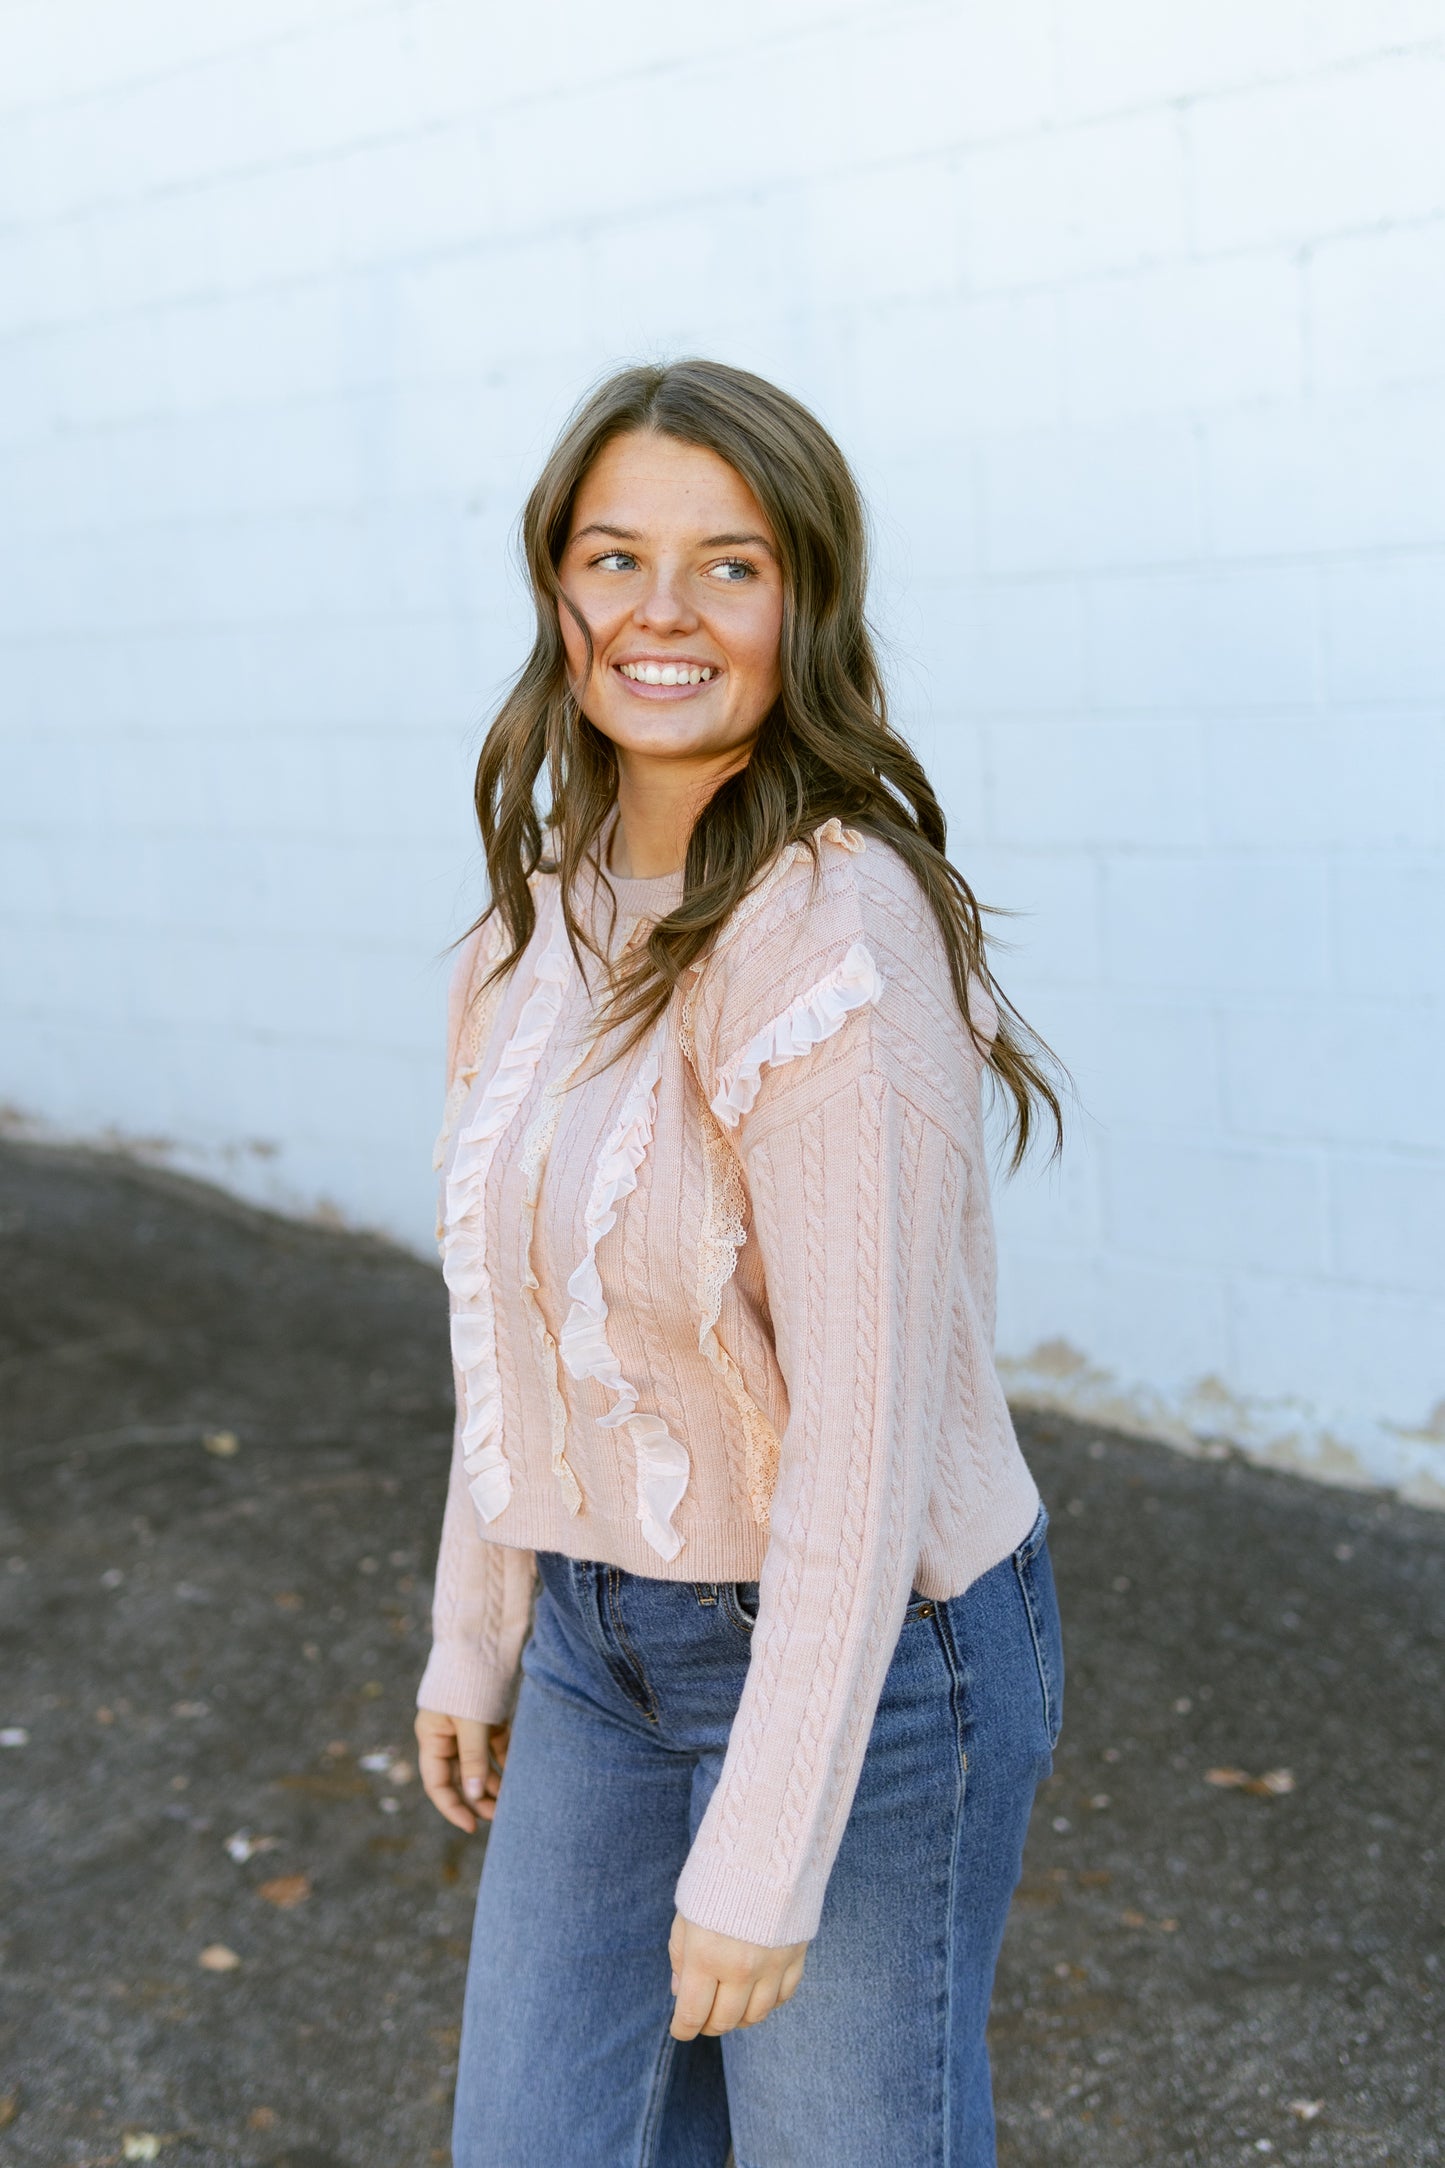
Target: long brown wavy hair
x,y
827,747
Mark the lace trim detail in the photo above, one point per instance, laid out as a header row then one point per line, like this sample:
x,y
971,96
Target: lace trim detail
x,y
725,1228
585,1349
663,1466
532,1161
815,1016
464,1261
724,1231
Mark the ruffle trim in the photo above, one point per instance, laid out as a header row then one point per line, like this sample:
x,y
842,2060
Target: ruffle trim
x,y
815,1016
464,1263
663,1467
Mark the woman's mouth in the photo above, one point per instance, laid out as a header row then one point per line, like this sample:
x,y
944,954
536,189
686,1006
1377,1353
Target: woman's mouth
x,y
649,675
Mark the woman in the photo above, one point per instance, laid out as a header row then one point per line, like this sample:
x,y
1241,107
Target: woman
x,y
734,1483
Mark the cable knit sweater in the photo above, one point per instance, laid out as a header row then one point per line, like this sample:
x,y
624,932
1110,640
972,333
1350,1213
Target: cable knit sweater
x,y
724,1311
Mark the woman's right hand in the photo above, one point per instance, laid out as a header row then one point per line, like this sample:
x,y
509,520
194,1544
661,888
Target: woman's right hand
x,y
461,1765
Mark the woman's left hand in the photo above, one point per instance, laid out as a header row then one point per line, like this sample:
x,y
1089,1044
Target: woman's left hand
x,y
720,1982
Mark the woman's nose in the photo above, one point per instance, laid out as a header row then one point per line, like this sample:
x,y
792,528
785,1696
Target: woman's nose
x,y
665,607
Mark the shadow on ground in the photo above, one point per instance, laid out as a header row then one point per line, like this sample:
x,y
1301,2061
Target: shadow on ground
x,y
201,1646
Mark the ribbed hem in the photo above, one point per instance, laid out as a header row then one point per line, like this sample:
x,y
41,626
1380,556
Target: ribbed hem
x,y
732,1901
991,1537
457,1682
717,1550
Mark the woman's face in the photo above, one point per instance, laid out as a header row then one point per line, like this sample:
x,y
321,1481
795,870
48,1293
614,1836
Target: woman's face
x,y
672,563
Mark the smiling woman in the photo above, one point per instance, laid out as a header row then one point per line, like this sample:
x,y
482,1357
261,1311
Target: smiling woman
x,y
672,617
743,1579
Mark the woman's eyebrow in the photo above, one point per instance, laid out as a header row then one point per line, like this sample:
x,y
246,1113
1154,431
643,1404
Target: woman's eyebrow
x,y
737,542
708,542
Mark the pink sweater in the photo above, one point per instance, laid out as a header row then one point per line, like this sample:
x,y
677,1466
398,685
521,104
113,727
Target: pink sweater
x,y
724,1311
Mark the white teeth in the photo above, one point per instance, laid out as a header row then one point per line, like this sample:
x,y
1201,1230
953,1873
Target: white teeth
x,y
667,673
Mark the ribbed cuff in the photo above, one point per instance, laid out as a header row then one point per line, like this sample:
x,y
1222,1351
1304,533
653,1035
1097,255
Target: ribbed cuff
x,y
732,1901
457,1682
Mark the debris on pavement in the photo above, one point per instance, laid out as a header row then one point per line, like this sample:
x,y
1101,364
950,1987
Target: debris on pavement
x,y
285,1891
1274,1784
242,1846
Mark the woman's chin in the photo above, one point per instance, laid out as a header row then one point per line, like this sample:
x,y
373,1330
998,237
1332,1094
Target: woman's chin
x,y
671,733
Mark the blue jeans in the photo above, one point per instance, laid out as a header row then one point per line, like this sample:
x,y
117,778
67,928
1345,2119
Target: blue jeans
x,y
879,2061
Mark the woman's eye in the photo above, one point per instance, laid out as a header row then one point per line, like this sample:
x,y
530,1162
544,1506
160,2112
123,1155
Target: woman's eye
x,y
734,570
615,561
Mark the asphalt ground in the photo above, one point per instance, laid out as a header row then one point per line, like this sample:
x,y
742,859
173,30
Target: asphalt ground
x,y
211,1642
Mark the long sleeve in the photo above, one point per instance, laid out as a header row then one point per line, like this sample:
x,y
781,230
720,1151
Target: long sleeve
x,y
858,1162
482,1605
480,1614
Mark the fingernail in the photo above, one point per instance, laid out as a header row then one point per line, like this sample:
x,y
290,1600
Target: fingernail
x,y
472,1786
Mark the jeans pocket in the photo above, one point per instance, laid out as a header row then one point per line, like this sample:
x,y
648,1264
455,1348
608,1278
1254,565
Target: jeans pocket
x,y
740,1604
1036,1581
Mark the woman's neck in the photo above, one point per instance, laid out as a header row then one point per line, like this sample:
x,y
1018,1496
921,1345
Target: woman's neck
x,y
656,811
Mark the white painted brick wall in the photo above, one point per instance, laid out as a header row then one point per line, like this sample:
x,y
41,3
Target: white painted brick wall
x,y
1133,319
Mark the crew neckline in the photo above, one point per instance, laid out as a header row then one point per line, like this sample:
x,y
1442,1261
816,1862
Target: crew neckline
x,y
639,886
633,888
